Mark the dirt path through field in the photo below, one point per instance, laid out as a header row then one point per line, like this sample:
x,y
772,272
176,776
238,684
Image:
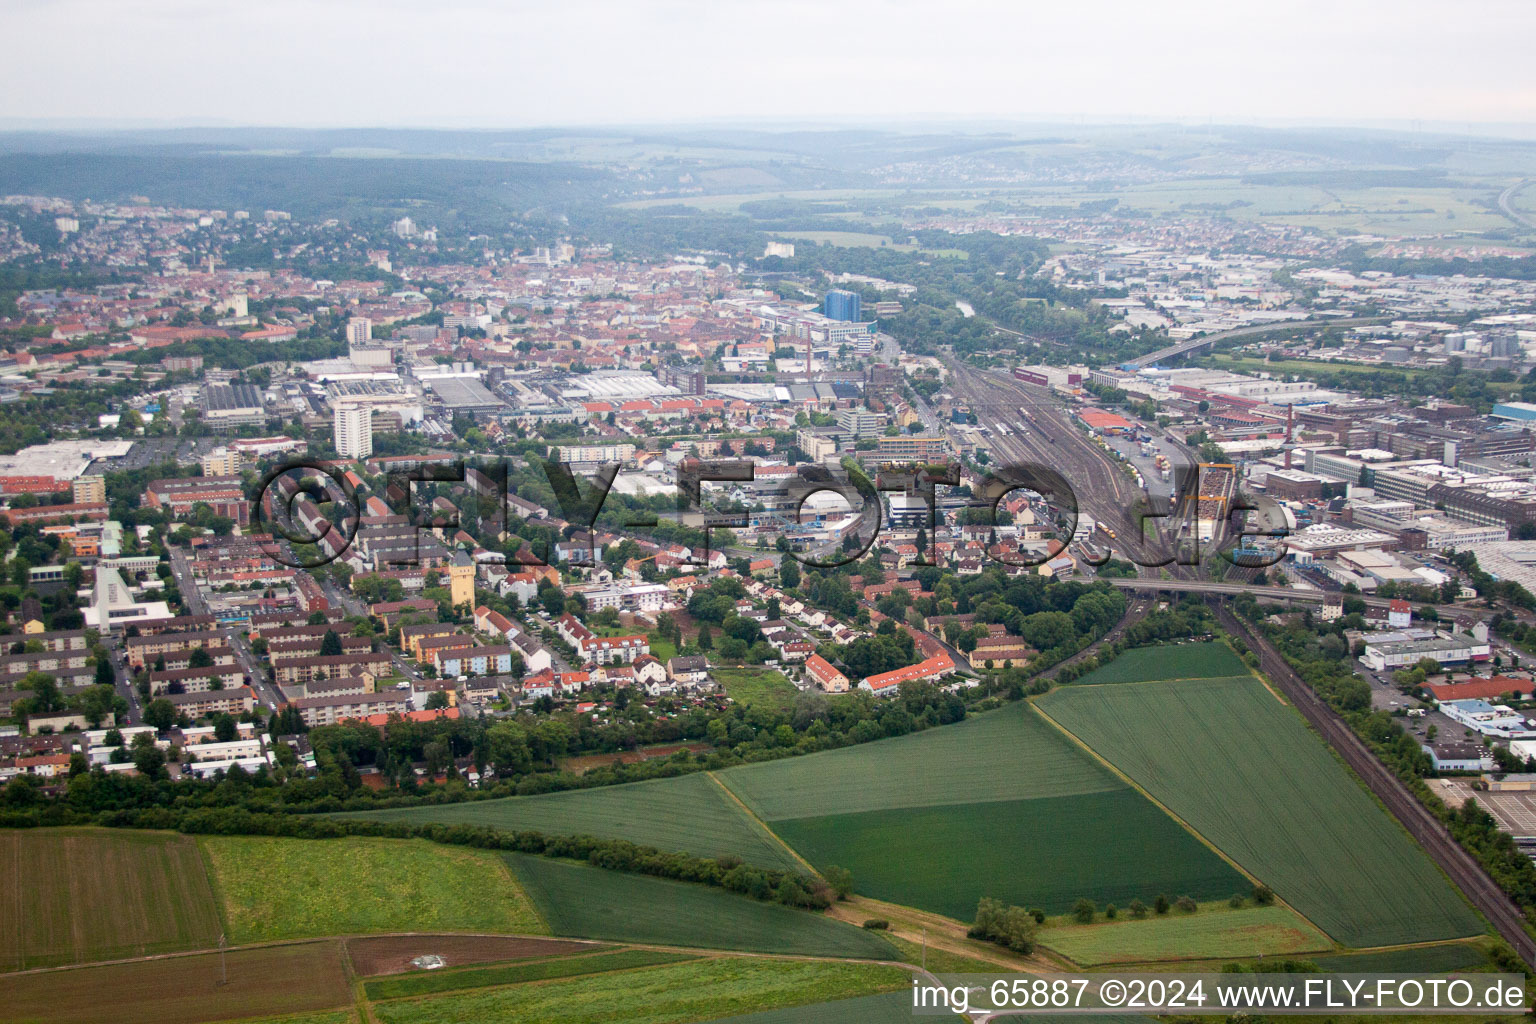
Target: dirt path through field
x,y
760,823
941,932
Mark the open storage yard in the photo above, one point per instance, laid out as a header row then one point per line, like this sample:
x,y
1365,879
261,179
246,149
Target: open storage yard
x,y
1246,773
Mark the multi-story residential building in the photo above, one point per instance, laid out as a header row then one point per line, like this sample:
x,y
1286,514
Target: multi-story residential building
x,y
601,650
354,431
317,711
222,462
89,490
195,680
225,495
303,670
912,448
842,305
143,650
239,701
588,456
860,422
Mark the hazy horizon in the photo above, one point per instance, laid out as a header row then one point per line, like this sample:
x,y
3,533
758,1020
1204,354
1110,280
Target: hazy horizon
x,y
473,64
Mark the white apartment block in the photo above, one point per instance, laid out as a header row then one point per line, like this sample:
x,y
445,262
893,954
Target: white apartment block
x,y
354,431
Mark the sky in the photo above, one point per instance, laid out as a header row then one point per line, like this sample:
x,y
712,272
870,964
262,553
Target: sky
x,y
510,64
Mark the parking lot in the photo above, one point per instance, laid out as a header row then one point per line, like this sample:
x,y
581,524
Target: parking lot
x,y
1515,812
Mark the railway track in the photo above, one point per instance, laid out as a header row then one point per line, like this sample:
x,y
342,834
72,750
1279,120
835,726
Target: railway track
x,y
1102,488
1456,862
1109,495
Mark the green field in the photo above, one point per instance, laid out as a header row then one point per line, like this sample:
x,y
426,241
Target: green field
x,y
1175,661
1209,934
885,1008
1048,852
1023,757
1245,772
940,960
689,814
592,903
424,983
846,239
695,991
762,687
296,888
1452,956
264,982
77,895
999,805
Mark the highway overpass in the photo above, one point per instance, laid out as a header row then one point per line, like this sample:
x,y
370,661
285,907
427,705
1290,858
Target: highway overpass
x,y
1185,348
1299,595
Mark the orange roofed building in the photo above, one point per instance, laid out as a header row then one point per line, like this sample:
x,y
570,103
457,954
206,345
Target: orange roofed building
x,y
825,675
887,684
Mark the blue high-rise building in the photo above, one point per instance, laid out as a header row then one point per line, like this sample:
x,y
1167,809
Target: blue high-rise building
x,y
842,305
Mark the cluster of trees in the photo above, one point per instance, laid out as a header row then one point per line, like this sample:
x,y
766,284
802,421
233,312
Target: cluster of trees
x,y
519,755
786,887
1013,927
1188,618
1490,589
890,648
97,703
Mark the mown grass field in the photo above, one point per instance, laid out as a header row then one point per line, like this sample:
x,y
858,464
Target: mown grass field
x,y
587,902
265,982
699,990
1110,847
1175,661
1209,934
78,895
763,687
424,983
1007,754
296,888
689,814
1246,773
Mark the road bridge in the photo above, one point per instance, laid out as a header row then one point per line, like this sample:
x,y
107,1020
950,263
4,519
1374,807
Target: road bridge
x,y
1194,345
1293,595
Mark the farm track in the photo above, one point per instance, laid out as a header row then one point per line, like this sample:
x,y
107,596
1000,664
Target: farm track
x,y
1468,875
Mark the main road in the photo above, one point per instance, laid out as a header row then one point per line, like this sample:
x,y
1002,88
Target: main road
x,y
1507,203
